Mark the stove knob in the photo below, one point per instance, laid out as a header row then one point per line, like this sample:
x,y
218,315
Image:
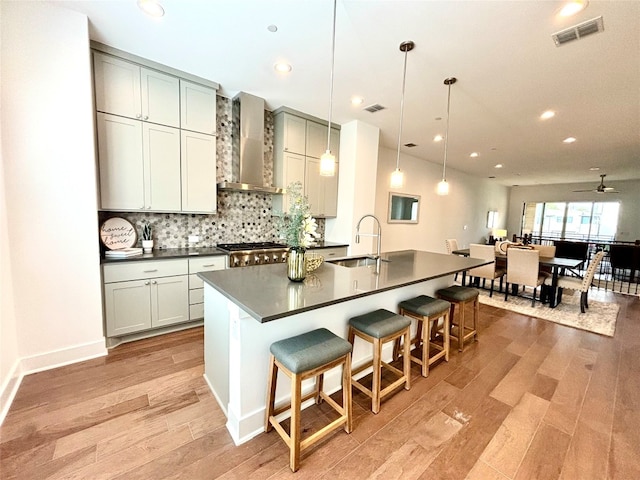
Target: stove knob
x,y
236,262
266,259
276,258
256,260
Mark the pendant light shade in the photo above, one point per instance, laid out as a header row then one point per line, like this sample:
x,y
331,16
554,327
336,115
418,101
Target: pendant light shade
x,y
443,186
397,177
328,160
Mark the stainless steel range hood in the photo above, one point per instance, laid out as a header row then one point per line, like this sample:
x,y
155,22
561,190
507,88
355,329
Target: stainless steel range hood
x,y
247,172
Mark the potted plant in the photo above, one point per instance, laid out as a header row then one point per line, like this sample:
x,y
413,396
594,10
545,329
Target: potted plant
x,y
147,238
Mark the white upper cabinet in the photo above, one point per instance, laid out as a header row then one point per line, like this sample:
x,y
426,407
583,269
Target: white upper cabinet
x,y
139,165
197,108
126,89
198,172
293,133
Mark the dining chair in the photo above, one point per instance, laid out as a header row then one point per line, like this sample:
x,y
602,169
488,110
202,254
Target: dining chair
x,y
486,272
523,268
580,284
548,251
452,245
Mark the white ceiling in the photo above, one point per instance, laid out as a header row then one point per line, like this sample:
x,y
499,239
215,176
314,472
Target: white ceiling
x,y
508,68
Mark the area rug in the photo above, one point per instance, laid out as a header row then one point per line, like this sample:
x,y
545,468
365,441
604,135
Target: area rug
x,y
599,318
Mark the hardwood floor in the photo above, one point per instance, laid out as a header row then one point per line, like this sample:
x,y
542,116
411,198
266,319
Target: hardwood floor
x,y
530,400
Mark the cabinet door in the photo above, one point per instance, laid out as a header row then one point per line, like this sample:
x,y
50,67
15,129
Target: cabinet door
x,y
169,300
198,172
335,144
160,98
161,147
197,108
294,134
316,139
121,165
321,191
117,86
127,307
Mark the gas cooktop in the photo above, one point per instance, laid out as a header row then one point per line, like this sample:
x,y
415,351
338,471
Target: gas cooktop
x,y
238,247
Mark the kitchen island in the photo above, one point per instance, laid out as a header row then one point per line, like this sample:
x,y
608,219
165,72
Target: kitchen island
x,y
247,309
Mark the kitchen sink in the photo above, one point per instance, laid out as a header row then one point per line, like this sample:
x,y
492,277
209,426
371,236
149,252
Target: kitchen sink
x,y
363,261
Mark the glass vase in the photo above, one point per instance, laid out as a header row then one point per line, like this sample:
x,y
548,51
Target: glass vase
x,y
296,267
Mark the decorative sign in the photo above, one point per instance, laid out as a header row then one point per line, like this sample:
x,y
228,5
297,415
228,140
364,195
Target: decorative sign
x,y
117,233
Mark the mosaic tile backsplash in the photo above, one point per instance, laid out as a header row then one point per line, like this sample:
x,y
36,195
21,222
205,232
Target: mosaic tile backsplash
x,y
241,216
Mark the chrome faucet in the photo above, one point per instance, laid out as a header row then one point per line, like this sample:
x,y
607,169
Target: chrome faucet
x,y
378,235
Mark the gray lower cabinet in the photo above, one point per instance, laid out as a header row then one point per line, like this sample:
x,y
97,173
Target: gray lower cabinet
x,y
144,295
196,284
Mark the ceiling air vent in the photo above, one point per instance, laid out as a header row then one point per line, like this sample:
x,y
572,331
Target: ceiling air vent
x,y
376,107
410,145
576,32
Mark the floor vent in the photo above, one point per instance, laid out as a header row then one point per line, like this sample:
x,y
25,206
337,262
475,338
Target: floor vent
x,y
376,107
579,31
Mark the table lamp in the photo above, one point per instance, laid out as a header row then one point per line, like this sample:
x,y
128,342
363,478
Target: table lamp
x,y
500,234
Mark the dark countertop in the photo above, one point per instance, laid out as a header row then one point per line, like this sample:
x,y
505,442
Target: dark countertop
x,y
166,253
265,292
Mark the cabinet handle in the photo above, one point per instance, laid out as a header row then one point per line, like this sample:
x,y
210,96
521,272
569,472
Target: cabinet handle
x,y
139,115
154,282
150,271
146,283
206,266
146,117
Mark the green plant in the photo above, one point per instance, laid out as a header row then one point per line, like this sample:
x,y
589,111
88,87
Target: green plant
x,y
147,232
298,227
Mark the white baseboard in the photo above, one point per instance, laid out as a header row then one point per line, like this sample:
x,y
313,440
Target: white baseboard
x,y
45,361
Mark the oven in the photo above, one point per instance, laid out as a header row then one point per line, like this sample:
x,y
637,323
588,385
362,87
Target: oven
x,y
254,253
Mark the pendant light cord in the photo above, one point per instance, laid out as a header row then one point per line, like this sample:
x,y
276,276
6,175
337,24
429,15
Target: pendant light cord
x,y
404,79
333,55
448,82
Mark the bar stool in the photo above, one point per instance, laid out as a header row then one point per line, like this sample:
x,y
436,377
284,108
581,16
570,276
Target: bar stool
x,y
379,327
460,296
427,311
304,356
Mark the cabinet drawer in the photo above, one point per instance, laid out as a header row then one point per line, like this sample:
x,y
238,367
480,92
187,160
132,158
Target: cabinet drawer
x,y
206,264
196,311
196,296
331,252
139,270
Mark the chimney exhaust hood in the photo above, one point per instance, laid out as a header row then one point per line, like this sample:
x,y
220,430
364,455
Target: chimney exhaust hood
x,y
247,166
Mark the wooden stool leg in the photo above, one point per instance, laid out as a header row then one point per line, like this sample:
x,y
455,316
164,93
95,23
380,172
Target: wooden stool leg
x,y
319,386
426,339
294,429
377,373
346,393
271,393
476,315
445,340
461,327
406,360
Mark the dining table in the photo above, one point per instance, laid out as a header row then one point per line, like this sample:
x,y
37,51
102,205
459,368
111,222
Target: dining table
x,y
557,265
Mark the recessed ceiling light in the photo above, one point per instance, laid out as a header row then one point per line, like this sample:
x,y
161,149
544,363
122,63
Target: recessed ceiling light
x,y
573,7
282,67
474,154
438,138
151,8
548,114
569,140
498,165
272,28
357,100
594,169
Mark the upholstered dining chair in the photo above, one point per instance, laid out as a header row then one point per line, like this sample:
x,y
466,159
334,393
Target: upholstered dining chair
x,y
486,272
548,251
451,244
580,284
523,269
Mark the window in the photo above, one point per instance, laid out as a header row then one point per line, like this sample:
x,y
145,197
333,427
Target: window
x,y
572,220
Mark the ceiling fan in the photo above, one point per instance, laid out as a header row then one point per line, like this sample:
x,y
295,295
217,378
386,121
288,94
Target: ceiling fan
x,y
601,188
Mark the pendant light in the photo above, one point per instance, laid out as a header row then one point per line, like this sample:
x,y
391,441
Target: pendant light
x,y
328,160
397,177
443,186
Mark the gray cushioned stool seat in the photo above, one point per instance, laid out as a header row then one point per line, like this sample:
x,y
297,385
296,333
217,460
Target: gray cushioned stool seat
x,y
379,323
425,306
309,350
458,293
